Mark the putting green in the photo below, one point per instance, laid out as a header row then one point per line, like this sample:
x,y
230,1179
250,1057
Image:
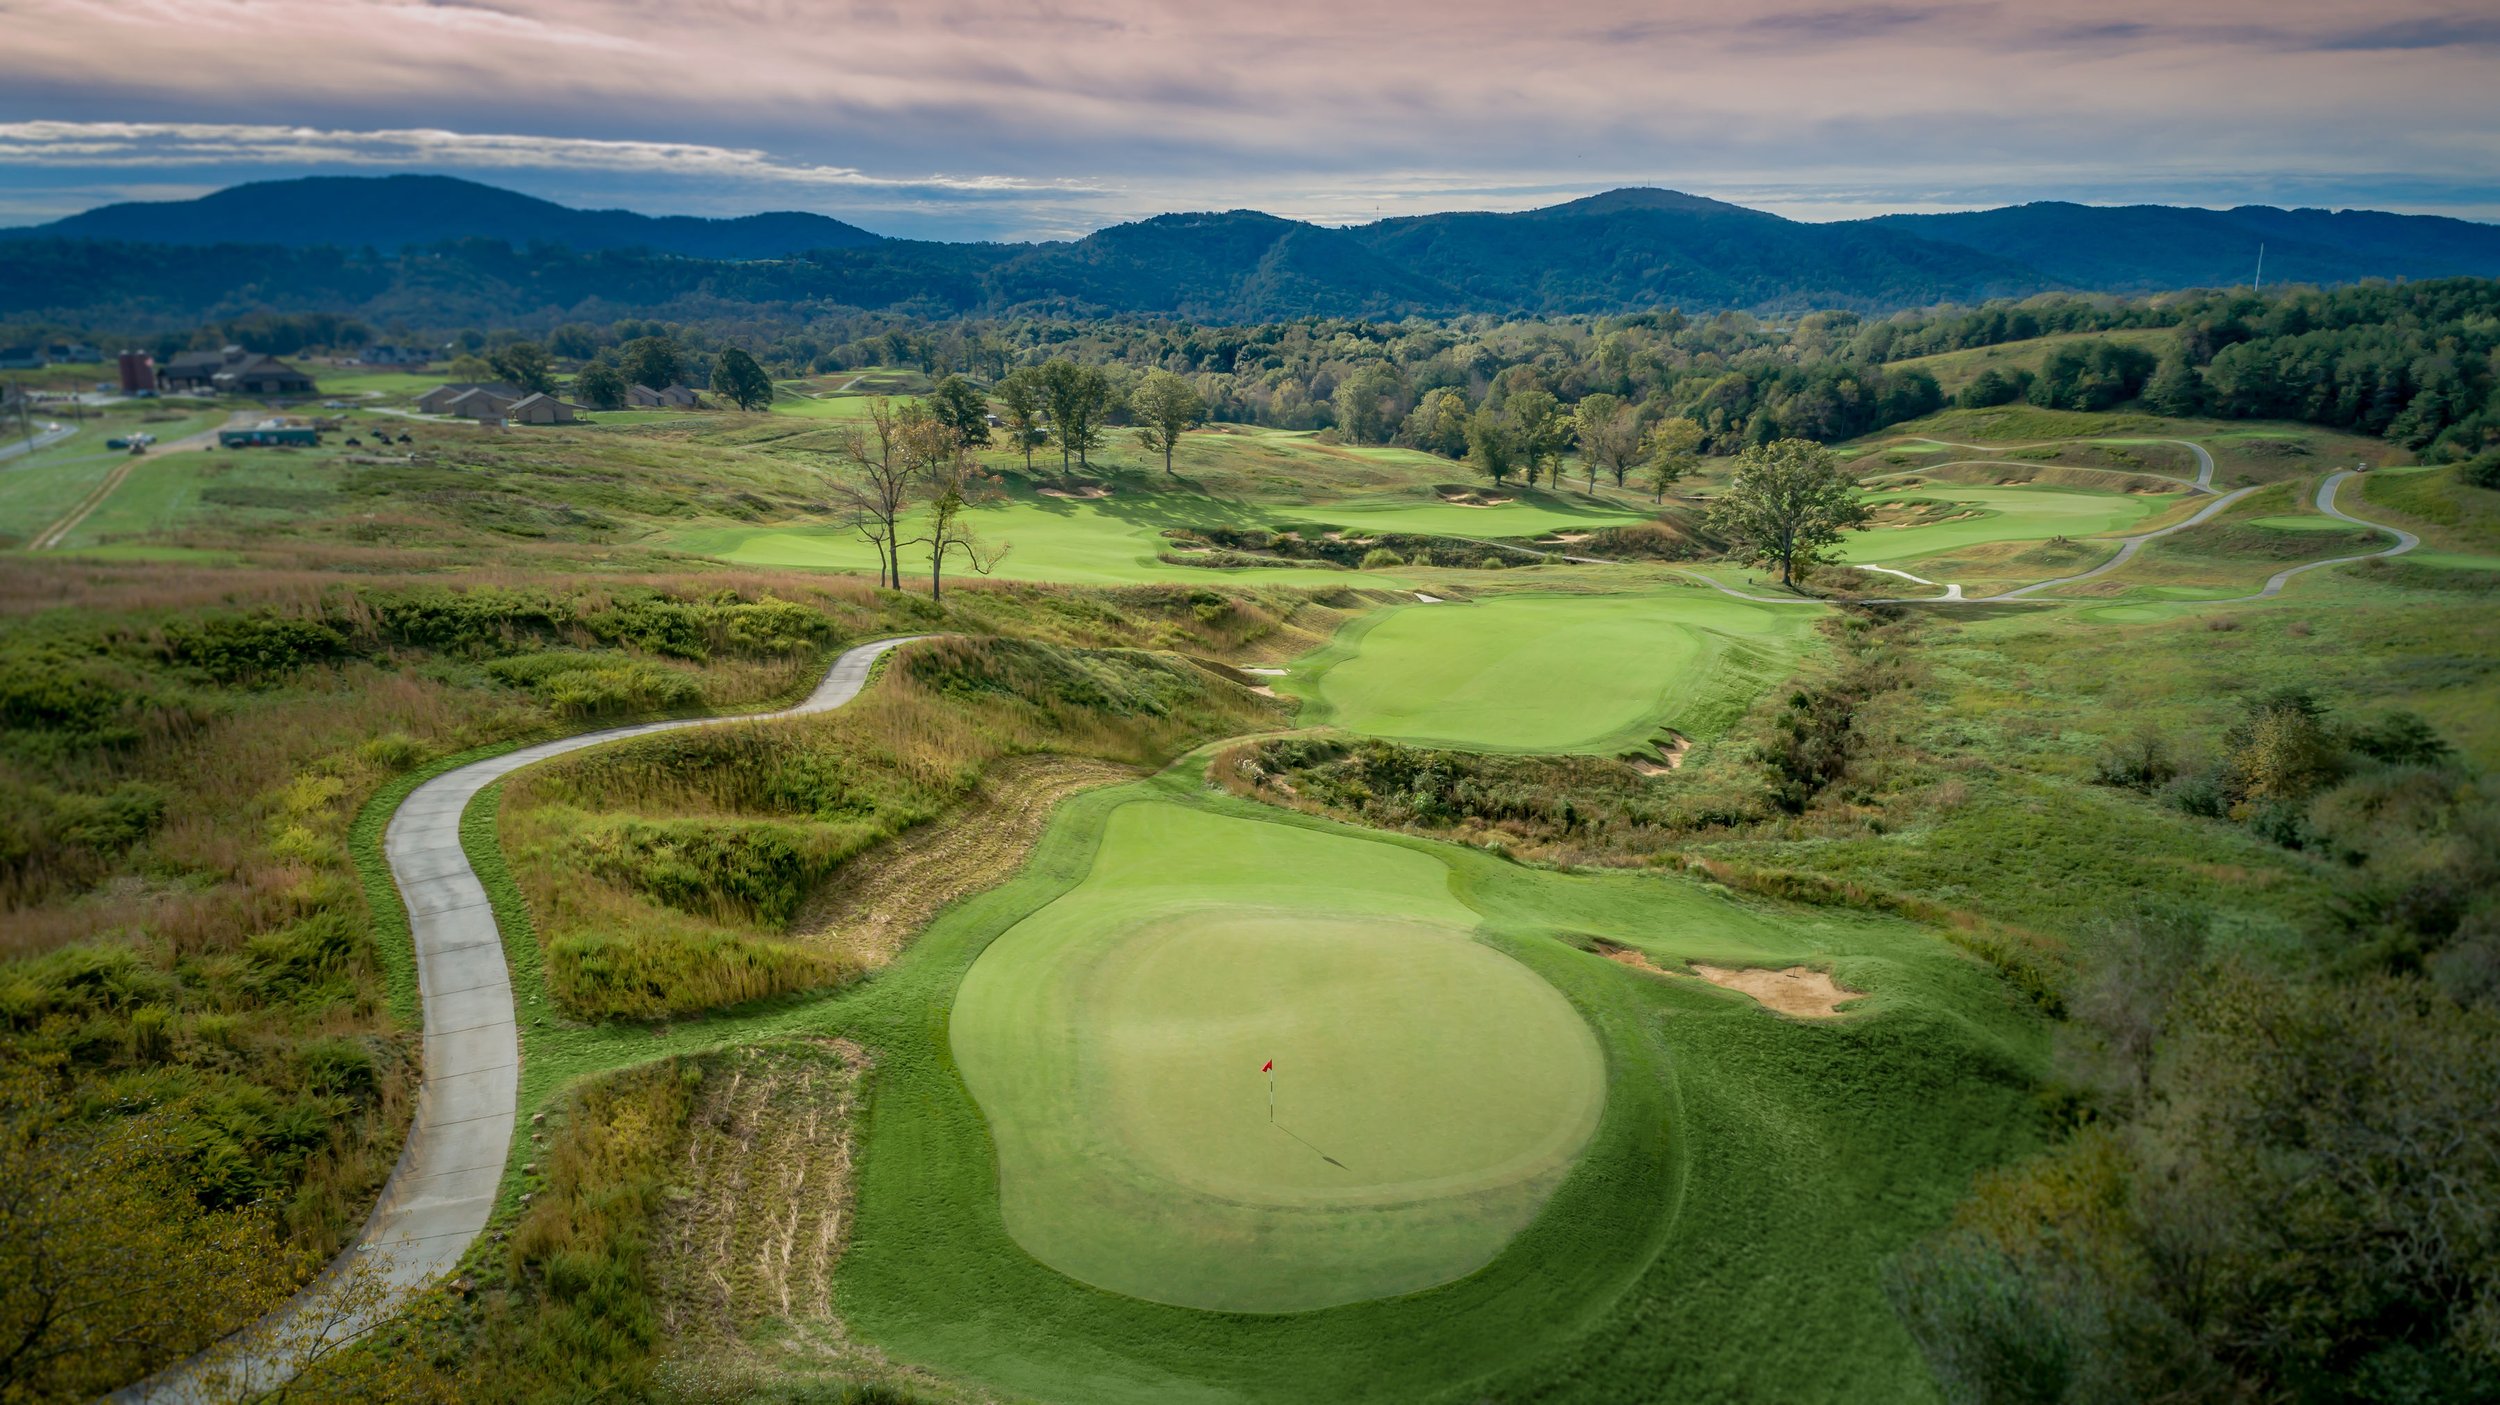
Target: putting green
x,y
1430,1092
1538,672
1998,514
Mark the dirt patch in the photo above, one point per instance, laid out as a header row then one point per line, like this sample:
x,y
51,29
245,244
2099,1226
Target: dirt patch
x,y
900,884
1090,490
1800,991
1633,957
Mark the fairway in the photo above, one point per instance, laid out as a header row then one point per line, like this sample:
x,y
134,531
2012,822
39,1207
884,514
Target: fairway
x,y
1116,540
1537,672
1430,1091
1996,515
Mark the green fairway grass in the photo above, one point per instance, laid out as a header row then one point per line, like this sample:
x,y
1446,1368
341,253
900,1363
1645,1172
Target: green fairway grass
x,y
1430,1090
1117,539
1734,1146
1538,672
2014,513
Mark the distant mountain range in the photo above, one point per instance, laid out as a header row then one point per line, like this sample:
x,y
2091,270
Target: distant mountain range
x,y
390,213
436,250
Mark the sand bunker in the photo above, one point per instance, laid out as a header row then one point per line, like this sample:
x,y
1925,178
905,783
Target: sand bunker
x,y
1801,991
1090,490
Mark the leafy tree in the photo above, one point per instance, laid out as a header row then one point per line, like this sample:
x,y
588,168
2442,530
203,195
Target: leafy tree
x,y
109,1265
960,406
2175,388
600,387
1989,388
1493,445
657,362
1786,505
1166,407
1078,397
470,370
524,364
1366,403
574,342
1610,436
1673,448
1439,424
1024,401
739,377
1542,428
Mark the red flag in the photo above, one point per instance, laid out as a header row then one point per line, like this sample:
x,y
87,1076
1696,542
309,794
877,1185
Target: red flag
x,y
1268,1067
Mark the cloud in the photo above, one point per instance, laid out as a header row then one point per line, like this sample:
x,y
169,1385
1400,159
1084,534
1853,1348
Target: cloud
x,y
1032,115
100,145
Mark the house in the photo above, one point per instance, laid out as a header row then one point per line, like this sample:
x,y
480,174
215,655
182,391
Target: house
x,y
393,356
195,370
543,409
21,358
77,352
484,403
233,371
438,400
675,397
262,375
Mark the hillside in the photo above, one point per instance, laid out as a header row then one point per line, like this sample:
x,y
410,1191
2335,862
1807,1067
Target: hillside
x,y
2143,248
1646,248
432,250
396,212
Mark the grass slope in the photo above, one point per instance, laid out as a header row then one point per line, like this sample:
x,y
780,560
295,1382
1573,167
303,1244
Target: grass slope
x,y
1430,1091
1536,672
1976,515
1117,539
1736,1149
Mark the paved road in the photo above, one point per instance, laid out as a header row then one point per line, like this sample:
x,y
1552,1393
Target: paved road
x,y
439,1196
2405,541
2127,548
43,439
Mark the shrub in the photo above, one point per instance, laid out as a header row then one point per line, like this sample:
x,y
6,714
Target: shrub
x,y
2482,471
593,685
253,648
2141,762
1381,558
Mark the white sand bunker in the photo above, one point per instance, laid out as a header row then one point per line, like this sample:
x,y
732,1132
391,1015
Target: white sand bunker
x,y
1801,991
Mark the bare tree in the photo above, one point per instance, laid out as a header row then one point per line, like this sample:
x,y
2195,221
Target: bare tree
x,y
874,501
938,461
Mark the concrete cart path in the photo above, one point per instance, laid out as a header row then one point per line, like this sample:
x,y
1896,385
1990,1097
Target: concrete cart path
x,y
438,1198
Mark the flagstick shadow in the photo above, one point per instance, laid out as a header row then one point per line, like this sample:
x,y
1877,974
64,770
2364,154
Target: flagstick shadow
x,y
1315,1151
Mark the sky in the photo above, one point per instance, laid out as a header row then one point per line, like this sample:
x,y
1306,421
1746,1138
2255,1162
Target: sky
x,y
1019,119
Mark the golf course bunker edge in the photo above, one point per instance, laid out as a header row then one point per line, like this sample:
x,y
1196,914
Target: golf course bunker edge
x,y
1429,1092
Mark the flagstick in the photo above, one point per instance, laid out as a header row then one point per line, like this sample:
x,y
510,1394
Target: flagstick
x,y
1271,1091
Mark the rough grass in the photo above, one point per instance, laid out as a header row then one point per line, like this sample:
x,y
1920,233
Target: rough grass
x,y
664,872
